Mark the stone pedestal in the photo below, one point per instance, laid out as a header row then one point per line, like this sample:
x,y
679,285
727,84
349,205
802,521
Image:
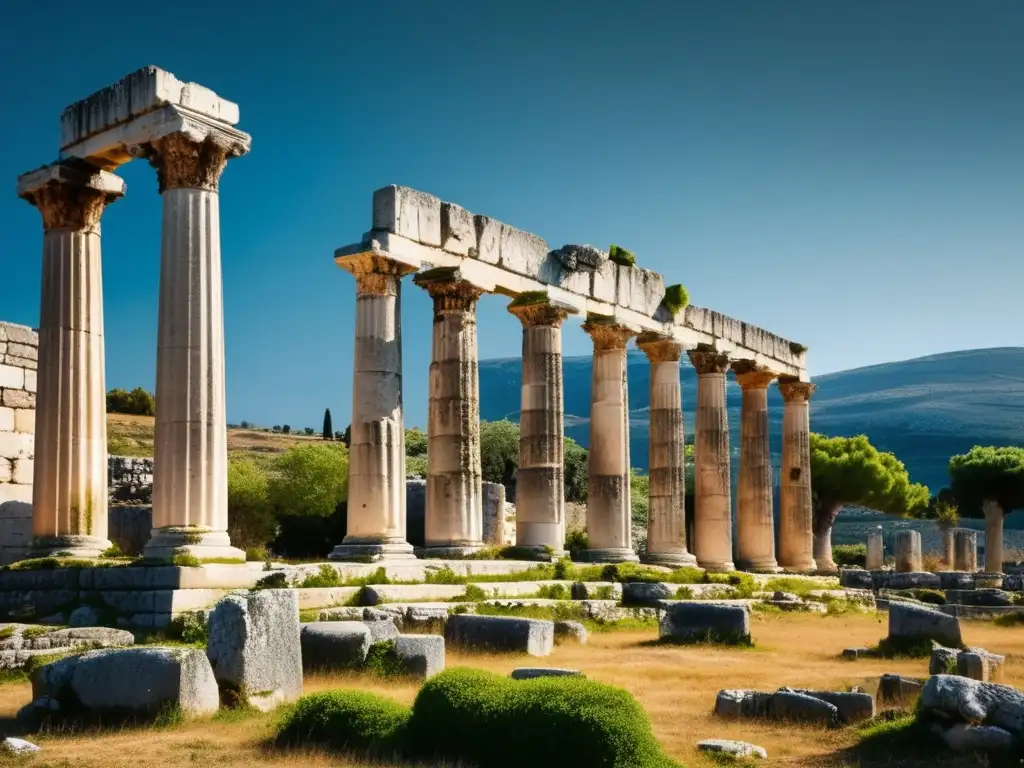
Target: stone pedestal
x,y
876,553
494,514
800,545
666,522
609,521
993,535
454,514
190,492
713,491
755,522
965,550
376,471
948,547
540,480
69,498
908,551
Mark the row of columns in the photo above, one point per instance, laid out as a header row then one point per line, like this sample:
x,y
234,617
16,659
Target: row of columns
x,y
454,506
961,556
190,449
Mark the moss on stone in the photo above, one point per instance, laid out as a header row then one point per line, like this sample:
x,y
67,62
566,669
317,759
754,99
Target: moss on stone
x,y
529,298
797,349
676,298
620,255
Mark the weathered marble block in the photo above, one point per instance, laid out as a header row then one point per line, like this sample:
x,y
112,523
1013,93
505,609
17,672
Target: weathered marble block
x,y
334,644
500,633
685,622
423,655
914,622
408,213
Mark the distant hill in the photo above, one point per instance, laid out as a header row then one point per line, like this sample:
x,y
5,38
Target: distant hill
x,y
924,410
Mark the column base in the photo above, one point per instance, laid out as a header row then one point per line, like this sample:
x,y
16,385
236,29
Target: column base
x,y
368,551
609,555
717,567
758,566
73,545
670,559
448,552
201,543
807,567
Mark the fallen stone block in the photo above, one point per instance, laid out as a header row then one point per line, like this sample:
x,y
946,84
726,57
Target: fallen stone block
x,y
334,644
801,708
853,707
423,655
500,633
737,749
425,620
915,622
570,632
741,705
852,654
531,673
381,630
989,598
913,580
254,647
687,622
855,578
897,690
955,580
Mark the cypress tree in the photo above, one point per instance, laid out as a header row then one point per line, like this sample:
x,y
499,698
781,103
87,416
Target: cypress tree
x,y
328,428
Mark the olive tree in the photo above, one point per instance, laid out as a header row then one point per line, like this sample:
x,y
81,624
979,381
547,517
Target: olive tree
x,y
989,481
849,471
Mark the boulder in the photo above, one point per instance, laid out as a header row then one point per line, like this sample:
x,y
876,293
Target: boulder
x,y
423,655
570,632
500,633
898,690
915,622
960,699
740,750
801,708
644,593
687,622
334,644
84,616
531,673
382,630
976,738
254,647
134,681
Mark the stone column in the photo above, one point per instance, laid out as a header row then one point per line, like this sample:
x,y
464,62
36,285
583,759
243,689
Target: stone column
x,y
755,522
993,533
875,557
190,457
908,551
454,515
666,522
609,521
376,469
948,547
798,542
965,550
540,481
712,480
69,499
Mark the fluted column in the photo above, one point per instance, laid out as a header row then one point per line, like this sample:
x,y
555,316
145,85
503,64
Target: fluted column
x,y
994,518
376,469
755,522
799,541
713,488
454,514
190,497
540,480
69,494
666,520
609,508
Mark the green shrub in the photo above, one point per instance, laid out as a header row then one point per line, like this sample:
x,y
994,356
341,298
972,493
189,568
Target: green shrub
x,y
325,577
604,592
576,544
469,715
847,555
112,551
684,593
1009,620
382,661
932,596
903,648
344,721
190,628
796,348
621,256
473,594
445,576
553,592
251,521
138,402
309,480
676,298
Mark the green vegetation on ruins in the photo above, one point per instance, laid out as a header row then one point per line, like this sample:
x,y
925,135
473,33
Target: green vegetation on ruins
x,y
621,256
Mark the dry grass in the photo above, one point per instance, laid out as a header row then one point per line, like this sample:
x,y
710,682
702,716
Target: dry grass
x,y
676,686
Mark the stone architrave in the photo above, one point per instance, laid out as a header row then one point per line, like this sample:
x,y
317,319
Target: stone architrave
x,y
609,520
713,487
993,533
376,471
801,547
965,550
908,551
540,480
454,514
666,522
755,520
190,491
69,499
875,552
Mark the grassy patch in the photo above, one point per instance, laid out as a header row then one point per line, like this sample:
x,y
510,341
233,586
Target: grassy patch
x,y
903,648
324,578
794,584
1009,620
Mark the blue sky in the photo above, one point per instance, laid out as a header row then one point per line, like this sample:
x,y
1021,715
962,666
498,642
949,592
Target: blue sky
x,y
849,175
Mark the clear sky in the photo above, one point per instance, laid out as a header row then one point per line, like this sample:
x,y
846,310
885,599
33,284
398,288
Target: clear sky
x,y
849,175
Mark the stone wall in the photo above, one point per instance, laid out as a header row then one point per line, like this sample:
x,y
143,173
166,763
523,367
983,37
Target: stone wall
x,y
129,479
19,347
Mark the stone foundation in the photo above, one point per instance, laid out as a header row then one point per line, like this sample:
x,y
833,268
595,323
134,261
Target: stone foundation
x,y
18,352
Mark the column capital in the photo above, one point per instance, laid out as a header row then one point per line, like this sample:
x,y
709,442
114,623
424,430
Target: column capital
x,y
539,310
607,333
450,292
708,361
70,194
750,375
185,161
795,391
659,348
375,272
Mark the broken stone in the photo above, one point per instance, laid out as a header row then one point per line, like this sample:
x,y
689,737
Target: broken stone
x,y
580,257
644,593
570,632
960,699
898,690
737,749
423,655
737,705
915,622
458,234
853,706
976,738
15,746
382,630
801,708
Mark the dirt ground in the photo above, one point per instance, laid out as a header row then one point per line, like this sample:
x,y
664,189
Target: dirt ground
x,y
676,686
